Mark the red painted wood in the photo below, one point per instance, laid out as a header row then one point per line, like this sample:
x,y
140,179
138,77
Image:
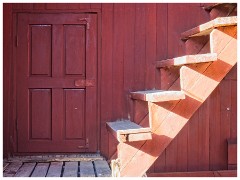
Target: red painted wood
x,y
222,173
151,35
128,76
40,38
225,119
75,113
39,5
84,6
74,49
214,125
117,66
233,125
40,114
59,110
96,5
171,156
203,138
162,38
7,75
140,47
182,150
106,79
165,29
193,145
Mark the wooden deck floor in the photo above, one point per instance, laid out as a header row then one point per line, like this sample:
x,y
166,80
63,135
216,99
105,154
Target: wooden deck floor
x,y
56,166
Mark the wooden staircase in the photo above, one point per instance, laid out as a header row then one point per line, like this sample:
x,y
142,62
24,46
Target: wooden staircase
x,y
211,52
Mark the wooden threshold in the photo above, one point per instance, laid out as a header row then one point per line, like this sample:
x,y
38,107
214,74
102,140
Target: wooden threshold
x,y
158,95
188,59
206,28
128,131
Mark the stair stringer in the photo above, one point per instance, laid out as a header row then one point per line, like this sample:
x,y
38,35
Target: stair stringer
x,y
168,118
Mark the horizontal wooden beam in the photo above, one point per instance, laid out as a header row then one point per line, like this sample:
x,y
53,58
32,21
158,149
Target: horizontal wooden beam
x,y
128,131
221,173
157,95
189,59
206,28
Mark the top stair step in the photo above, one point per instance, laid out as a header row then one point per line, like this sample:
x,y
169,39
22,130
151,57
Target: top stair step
x,y
206,28
128,131
188,59
158,95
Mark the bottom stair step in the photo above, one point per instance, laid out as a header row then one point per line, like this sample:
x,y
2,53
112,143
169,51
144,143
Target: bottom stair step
x,y
127,131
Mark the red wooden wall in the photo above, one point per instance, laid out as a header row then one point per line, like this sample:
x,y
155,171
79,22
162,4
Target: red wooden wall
x,y
133,37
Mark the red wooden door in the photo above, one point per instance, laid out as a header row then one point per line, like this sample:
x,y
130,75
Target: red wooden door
x,y
56,82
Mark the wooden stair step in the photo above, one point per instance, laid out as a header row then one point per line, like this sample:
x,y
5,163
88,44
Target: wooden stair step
x,y
128,131
158,95
206,28
210,6
189,59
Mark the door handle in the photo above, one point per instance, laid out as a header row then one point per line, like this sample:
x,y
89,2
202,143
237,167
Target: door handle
x,y
84,82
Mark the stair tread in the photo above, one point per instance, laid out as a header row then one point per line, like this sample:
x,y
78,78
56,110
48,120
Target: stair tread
x,y
206,28
157,95
210,6
127,127
126,130
188,59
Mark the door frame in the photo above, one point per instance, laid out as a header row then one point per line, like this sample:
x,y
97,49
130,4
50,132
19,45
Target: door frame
x,y
12,125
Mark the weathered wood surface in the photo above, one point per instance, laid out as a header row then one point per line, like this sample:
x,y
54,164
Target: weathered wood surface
x,y
126,130
189,59
40,170
206,28
102,168
59,158
157,95
70,169
86,169
55,169
12,169
25,170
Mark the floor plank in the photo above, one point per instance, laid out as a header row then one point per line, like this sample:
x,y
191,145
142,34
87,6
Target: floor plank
x,y
55,169
102,168
25,170
86,169
70,169
40,170
12,169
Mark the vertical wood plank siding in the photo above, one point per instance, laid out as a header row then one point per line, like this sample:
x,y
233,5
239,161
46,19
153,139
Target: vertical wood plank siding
x,y
133,37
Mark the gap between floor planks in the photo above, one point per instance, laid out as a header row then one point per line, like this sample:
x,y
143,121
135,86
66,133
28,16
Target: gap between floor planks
x,y
89,168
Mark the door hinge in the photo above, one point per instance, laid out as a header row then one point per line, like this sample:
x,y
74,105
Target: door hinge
x,y
16,40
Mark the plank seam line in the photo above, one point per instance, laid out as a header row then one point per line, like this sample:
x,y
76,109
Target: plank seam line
x,y
62,169
94,168
47,169
33,169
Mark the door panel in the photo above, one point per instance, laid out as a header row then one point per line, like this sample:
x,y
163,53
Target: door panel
x,y
75,49
40,39
56,106
40,114
75,113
